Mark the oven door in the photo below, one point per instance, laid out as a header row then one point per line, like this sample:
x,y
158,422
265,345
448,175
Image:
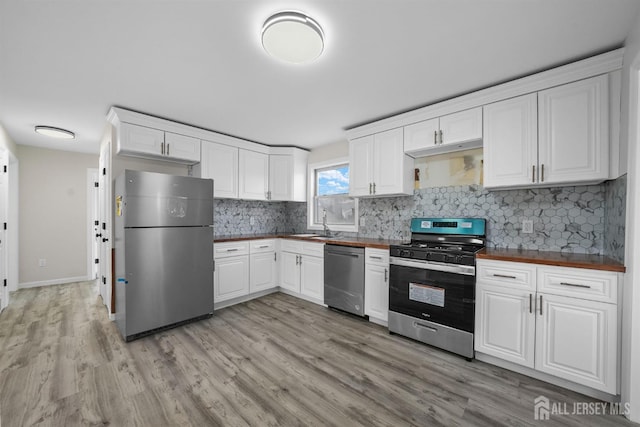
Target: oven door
x,y
440,293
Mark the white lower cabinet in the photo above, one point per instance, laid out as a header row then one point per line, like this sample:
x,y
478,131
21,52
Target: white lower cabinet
x,y
231,278
263,265
556,320
302,269
376,285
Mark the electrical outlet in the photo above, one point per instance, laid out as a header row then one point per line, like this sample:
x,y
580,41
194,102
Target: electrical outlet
x,y
252,221
362,222
42,262
527,226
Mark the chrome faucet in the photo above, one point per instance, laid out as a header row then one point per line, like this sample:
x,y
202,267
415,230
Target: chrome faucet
x,y
324,223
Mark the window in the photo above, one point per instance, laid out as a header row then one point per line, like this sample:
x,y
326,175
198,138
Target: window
x,y
329,187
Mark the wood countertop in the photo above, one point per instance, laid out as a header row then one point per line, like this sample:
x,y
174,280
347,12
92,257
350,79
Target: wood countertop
x,y
560,259
360,242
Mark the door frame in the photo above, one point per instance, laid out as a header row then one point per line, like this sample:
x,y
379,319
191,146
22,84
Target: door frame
x,y
93,250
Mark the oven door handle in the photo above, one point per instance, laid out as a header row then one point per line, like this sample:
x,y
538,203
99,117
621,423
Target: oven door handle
x,y
467,270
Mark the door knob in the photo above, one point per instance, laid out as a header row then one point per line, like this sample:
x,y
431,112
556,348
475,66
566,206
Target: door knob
x,y
104,240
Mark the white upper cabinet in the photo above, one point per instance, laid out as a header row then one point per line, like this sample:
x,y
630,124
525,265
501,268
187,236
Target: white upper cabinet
x,y
453,132
574,132
288,175
564,142
253,175
511,141
141,141
220,163
379,166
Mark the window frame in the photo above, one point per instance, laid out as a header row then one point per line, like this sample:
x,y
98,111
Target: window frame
x,y
311,192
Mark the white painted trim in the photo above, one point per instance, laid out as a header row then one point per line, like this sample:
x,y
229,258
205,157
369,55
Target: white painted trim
x,y
51,282
311,192
119,115
14,219
600,64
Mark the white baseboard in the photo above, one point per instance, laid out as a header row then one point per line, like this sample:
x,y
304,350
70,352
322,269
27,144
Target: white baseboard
x,y
54,282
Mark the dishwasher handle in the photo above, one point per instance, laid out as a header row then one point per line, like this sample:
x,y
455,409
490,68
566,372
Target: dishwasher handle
x,y
343,254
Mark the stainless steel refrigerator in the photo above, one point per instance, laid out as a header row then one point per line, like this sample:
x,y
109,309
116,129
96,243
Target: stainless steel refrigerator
x,y
163,251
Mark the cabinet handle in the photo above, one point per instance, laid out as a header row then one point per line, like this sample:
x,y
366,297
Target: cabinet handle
x,y
370,188
530,303
542,173
575,285
435,137
441,137
275,256
533,173
168,146
386,275
504,276
540,305
263,246
375,257
374,188
162,148
232,250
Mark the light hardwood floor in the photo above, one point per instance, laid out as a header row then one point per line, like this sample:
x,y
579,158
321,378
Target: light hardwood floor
x,y
268,362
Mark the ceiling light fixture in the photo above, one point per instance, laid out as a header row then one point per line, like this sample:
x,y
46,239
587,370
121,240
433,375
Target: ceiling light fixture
x,y
292,37
55,132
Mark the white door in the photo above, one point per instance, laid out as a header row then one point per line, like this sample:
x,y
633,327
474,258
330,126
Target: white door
x,y
461,127
4,203
182,147
505,324
376,292
574,131
290,271
220,163
388,162
231,278
577,340
262,271
105,204
511,142
281,177
421,135
253,175
360,166
93,224
312,277
140,139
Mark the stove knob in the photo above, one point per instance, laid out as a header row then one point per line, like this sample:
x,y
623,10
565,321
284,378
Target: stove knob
x,y
404,253
410,254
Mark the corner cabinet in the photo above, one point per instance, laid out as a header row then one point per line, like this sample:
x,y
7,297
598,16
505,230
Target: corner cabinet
x,y
220,163
558,136
556,320
145,142
379,166
253,178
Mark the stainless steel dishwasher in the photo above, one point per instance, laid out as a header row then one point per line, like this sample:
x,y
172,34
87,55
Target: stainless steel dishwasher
x,y
344,278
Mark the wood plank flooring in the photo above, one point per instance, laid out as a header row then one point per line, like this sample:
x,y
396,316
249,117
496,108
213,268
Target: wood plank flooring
x,y
275,361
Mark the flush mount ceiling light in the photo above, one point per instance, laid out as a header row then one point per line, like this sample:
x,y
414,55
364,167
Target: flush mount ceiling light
x,y
55,132
292,37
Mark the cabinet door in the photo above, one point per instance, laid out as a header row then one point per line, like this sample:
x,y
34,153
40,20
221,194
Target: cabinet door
x,y
390,174
360,166
511,142
421,135
253,175
182,147
231,278
220,163
577,340
505,324
312,277
281,177
460,127
262,272
140,140
574,132
290,271
376,292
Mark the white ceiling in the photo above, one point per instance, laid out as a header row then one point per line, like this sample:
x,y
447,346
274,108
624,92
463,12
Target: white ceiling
x,y
64,63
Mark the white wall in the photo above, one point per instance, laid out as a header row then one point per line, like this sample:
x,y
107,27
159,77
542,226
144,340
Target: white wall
x,y
53,215
6,141
630,135
329,152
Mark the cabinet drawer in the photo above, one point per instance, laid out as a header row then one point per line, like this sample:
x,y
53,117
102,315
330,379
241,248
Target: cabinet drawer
x,y
313,249
291,245
227,249
264,245
376,257
579,283
511,274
